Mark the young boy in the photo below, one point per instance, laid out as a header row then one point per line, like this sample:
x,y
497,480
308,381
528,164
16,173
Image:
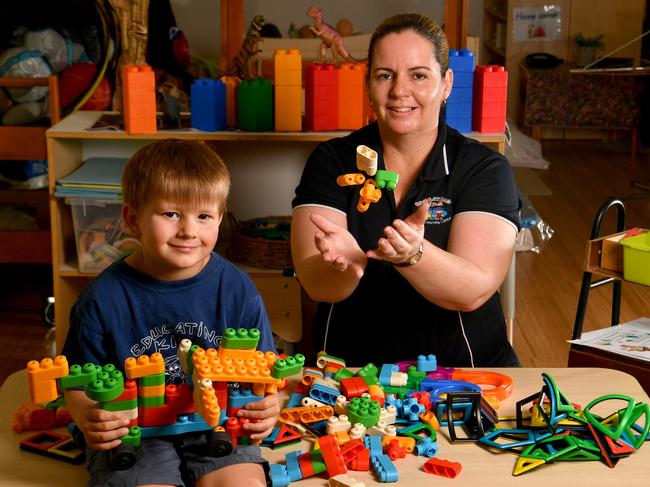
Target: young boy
x,y
174,287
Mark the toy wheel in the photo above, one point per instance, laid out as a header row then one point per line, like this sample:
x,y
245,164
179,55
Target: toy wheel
x,y
122,457
220,444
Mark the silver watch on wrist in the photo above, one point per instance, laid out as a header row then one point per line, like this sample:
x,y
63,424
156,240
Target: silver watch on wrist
x,y
413,259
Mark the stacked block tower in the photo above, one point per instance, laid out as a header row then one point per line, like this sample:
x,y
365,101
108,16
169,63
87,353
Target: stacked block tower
x,y
208,99
139,99
490,95
287,66
459,104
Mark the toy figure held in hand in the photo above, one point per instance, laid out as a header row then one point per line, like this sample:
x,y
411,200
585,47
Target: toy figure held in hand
x,y
330,38
242,64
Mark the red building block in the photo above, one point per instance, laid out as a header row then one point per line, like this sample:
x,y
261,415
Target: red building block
x,y
331,452
321,97
444,468
489,99
353,387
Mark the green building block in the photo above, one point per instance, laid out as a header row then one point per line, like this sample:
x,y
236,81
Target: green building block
x,y
153,380
289,366
386,179
127,405
241,338
400,392
134,437
343,373
368,371
363,410
418,430
79,375
255,105
145,402
414,377
317,462
109,385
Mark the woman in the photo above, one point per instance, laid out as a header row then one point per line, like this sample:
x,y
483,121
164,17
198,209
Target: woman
x,y
418,272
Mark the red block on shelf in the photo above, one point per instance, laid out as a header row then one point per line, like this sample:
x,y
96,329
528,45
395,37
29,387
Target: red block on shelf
x,y
489,99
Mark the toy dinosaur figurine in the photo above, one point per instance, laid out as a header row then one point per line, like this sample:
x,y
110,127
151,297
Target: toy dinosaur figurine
x,y
330,38
242,64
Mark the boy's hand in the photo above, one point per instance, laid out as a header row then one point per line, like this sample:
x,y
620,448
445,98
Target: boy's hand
x,y
266,411
102,429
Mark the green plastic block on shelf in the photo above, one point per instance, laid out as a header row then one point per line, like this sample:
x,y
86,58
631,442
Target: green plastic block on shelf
x,y
285,367
80,375
240,338
255,105
363,410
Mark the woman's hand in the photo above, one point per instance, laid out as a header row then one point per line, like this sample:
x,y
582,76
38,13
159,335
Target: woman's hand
x,y
338,247
102,429
402,239
265,414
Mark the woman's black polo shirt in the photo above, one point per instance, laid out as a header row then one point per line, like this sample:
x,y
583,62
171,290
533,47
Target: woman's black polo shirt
x,y
385,319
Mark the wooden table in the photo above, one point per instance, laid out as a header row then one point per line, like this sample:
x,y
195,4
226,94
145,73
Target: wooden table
x,y
480,466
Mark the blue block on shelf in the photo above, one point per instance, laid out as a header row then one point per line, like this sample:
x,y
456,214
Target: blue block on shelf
x,y
461,60
208,104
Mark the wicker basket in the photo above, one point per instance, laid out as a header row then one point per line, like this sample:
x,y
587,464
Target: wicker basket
x,y
250,246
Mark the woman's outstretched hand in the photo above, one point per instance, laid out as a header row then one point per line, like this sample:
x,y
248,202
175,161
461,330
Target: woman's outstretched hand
x,y
338,247
402,239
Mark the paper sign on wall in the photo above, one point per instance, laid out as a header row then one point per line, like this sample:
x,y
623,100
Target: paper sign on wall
x,y
543,23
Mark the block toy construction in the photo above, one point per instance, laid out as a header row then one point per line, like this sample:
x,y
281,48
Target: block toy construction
x,y
490,96
208,105
458,113
287,66
139,391
139,99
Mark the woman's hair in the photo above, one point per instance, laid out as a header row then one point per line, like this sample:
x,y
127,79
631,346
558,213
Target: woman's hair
x,y
424,26
188,171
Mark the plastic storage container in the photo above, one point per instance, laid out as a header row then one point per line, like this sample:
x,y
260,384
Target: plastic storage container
x,y
636,258
98,232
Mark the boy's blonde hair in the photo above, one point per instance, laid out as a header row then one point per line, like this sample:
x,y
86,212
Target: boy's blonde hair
x,y
188,171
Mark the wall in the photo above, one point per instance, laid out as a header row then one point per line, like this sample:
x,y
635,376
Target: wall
x,y
200,19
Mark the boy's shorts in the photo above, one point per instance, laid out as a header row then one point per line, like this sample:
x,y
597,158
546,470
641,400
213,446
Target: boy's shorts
x,y
173,460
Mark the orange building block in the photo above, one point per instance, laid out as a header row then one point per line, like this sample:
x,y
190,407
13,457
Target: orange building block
x,y
353,96
42,378
139,99
231,83
287,67
144,365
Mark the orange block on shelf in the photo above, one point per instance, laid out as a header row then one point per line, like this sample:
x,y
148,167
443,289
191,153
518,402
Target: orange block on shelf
x,y
231,83
287,68
139,99
353,97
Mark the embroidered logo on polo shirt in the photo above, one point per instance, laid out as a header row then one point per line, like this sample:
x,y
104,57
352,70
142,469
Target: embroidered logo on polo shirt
x,y
439,209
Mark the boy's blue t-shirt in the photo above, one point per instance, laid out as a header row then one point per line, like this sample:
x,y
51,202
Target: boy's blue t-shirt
x,y
124,313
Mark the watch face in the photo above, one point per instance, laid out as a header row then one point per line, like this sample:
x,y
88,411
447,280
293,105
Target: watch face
x,y
415,258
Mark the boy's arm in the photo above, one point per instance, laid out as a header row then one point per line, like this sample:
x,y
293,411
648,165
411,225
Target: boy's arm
x,y
266,411
101,429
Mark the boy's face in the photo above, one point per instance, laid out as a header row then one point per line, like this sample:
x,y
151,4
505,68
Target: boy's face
x,y
177,238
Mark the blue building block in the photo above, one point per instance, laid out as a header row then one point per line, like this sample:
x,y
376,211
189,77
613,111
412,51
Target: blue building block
x,y
461,60
384,468
463,79
295,400
411,409
279,475
385,372
208,99
463,125
184,424
427,363
373,443
238,398
293,467
324,394
426,447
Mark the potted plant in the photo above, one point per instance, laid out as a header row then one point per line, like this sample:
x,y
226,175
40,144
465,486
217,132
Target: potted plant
x,y
586,48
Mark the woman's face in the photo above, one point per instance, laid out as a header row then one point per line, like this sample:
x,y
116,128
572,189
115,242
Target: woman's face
x,y
406,88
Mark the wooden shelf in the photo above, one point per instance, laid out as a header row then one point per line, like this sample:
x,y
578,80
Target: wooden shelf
x,y
497,11
495,50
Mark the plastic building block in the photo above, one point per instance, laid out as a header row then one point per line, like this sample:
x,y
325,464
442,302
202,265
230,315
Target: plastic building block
x,y
288,89
384,468
405,442
79,375
309,374
42,378
411,409
382,429
286,435
139,99
53,445
344,480
289,366
395,450
352,97
184,424
208,98
362,462
444,468
373,443
340,423
279,475
353,387
427,363
369,194
500,385
358,430
324,394
240,338
310,402
386,179
293,466
352,179
231,83
332,455
255,105
363,410
323,361
415,430
341,405
321,97
144,365
108,386
366,160
490,97
458,112
426,447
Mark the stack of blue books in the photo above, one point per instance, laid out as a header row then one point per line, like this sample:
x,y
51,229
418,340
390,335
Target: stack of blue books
x,y
97,178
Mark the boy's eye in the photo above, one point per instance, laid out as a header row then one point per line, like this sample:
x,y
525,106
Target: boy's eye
x,y
204,216
171,214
